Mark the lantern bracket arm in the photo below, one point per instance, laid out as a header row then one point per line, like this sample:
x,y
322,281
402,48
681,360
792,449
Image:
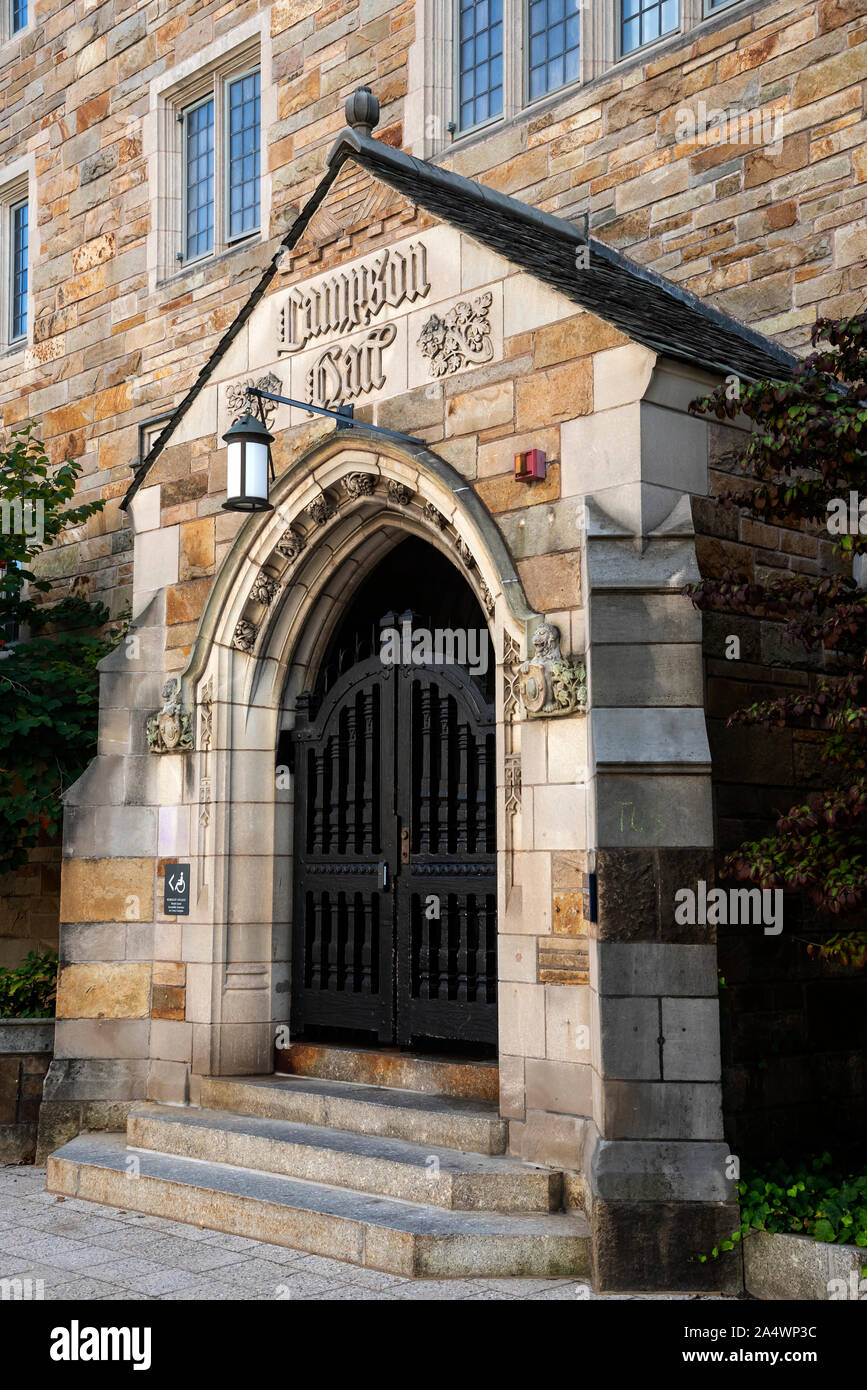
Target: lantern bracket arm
x,y
343,415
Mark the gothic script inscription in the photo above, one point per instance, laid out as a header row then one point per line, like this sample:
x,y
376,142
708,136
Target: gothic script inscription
x,y
352,298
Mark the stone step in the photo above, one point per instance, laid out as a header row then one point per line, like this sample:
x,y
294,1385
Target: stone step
x,y
448,1122
385,1167
382,1066
403,1238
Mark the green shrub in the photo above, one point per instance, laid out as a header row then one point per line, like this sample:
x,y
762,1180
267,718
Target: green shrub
x,y
809,1199
31,989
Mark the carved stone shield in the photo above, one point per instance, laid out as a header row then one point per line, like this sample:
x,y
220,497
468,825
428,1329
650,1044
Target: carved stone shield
x,y
170,730
534,687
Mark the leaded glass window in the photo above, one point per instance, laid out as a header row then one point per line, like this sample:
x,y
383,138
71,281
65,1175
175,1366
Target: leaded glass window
x,y
243,119
553,40
199,179
480,59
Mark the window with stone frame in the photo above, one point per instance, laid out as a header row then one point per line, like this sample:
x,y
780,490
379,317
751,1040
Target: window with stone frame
x,y
480,61
552,43
486,61
15,253
149,432
15,17
212,148
222,148
644,21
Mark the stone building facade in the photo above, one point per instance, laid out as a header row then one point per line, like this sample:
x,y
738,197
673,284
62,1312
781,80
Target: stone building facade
x,y
444,283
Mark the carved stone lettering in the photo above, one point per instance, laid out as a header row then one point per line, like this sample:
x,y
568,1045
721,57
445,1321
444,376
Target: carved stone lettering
x,y
342,374
353,297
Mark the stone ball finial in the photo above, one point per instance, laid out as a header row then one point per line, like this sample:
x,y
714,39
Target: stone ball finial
x,y
362,110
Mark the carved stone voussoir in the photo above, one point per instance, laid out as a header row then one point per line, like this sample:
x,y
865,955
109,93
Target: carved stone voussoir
x,y
359,485
433,515
399,492
549,684
290,544
245,636
321,510
265,589
170,730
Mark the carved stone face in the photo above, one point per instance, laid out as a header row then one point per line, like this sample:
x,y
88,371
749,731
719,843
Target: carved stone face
x,y
169,689
546,641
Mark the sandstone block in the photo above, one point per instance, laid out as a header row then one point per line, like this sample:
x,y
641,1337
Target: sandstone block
x,y
107,890
104,990
472,411
552,581
559,393
197,549
93,253
184,602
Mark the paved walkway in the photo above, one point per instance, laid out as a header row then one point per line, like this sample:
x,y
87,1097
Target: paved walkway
x,y
83,1250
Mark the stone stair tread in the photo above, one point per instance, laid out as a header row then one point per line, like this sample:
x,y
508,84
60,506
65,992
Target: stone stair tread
x,y
110,1151
371,1095
345,1141
432,1073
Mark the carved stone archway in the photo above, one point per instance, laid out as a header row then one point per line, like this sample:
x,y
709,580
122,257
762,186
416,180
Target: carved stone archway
x,y
274,605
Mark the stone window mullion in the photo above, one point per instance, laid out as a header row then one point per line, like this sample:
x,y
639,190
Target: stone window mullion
x,y
513,66
599,27
692,12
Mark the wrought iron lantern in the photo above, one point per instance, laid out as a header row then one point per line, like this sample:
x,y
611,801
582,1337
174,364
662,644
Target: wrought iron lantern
x,y
248,467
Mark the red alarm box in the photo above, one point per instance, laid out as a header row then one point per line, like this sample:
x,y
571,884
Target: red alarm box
x,y
530,465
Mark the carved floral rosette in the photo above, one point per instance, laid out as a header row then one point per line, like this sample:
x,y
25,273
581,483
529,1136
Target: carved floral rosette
x,y
265,589
399,493
238,403
462,338
321,510
548,684
434,516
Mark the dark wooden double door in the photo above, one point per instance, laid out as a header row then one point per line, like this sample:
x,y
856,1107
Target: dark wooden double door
x,y
395,930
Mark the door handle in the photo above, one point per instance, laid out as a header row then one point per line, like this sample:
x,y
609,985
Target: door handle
x,y
404,845
384,874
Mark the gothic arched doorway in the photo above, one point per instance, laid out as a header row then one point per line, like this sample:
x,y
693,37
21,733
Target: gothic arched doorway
x,y
395,930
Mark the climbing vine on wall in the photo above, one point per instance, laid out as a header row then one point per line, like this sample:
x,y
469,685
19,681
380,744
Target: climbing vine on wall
x,y
49,691
806,454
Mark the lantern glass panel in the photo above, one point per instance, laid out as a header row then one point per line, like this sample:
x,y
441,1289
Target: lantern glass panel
x,y
257,470
233,468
